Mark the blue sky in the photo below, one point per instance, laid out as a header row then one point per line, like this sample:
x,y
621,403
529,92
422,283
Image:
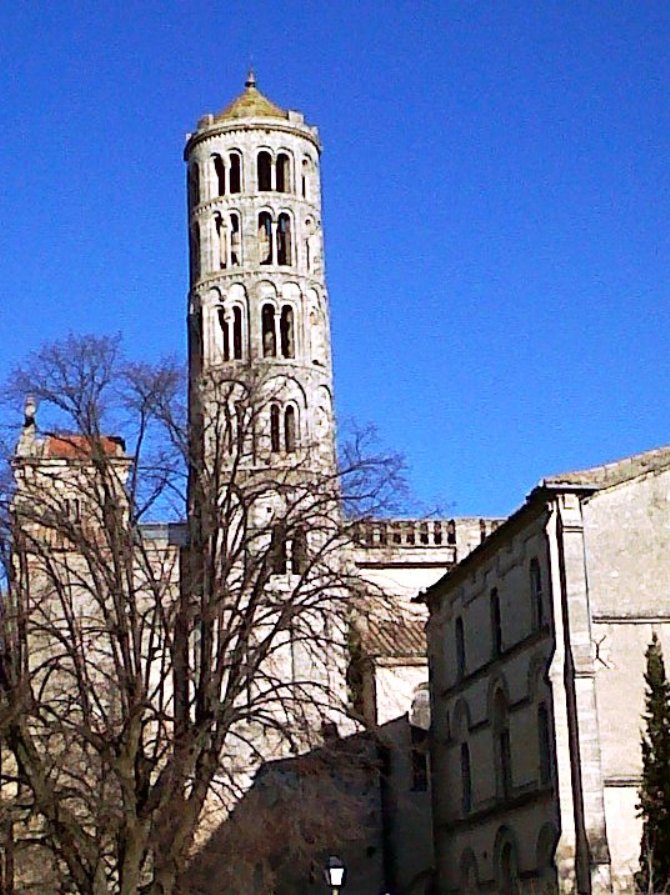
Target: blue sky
x,y
496,205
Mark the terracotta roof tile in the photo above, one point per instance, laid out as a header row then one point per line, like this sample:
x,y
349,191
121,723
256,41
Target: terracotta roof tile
x,y
394,639
76,447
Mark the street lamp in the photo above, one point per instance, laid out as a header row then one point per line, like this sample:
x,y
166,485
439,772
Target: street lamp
x,y
335,873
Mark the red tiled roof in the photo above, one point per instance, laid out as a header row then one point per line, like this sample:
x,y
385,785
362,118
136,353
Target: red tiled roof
x,y
76,447
394,639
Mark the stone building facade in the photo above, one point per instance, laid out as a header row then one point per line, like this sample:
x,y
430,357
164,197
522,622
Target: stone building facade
x,y
536,644
261,401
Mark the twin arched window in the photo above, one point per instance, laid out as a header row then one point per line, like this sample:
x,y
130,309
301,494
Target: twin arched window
x,y
283,428
275,243
231,329
281,546
266,168
278,330
229,246
227,177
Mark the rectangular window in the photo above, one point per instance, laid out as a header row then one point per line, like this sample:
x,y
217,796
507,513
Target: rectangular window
x,y
459,633
496,624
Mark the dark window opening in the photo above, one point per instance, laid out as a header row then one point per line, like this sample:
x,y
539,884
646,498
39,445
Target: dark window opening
x,y
264,164
220,174
194,185
508,871
269,338
234,240
290,439
278,550
223,323
221,241
419,759
284,240
303,179
264,238
496,624
299,552
460,648
283,173
195,253
237,333
275,428
235,172
451,532
286,332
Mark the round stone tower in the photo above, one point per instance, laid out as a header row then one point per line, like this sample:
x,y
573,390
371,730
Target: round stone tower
x,y
258,307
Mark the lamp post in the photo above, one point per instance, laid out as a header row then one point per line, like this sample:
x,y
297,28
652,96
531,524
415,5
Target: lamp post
x,y
335,874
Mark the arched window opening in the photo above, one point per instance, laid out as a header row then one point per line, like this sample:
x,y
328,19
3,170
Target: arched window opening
x,y
264,166
466,780
496,624
469,875
219,175
536,594
221,242
286,332
283,173
264,238
275,428
290,429
268,325
451,532
460,648
303,178
195,253
237,333
284,240
235,240
508,870
419,757
299,552
223,323
278,550
544,743
235,184
193,185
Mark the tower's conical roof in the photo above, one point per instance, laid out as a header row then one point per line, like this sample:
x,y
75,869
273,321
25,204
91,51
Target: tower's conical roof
x,y
251,104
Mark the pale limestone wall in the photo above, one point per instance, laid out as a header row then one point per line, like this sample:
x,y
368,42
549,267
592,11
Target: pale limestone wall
x,y
627,536
396,682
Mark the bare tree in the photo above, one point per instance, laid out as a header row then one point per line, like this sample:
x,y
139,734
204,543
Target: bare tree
x,y
148,669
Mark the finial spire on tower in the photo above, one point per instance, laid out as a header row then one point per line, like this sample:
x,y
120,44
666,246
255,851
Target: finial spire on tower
x,y
251,78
